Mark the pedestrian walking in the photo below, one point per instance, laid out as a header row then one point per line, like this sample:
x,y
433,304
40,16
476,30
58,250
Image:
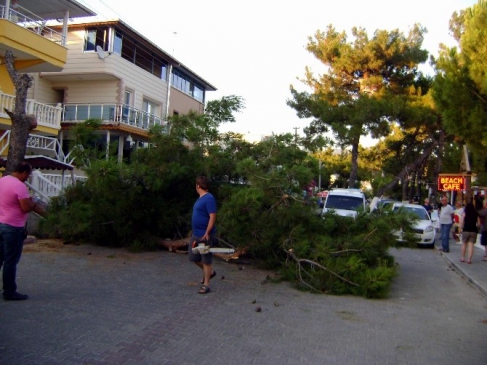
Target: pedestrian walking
x,y
15,204
457,215
468,229
483,228
428,206
446,221
204,229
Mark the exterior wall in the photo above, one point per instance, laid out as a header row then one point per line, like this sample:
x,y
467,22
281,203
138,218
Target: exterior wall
x,y
108,78
90,92
42,91
182,103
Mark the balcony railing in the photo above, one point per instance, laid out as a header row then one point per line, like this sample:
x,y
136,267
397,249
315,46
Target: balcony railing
x,y
47,115
49,146
32,22
50,185
111,113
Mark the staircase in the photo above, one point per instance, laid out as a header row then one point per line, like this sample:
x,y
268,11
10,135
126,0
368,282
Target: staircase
x,y
45,186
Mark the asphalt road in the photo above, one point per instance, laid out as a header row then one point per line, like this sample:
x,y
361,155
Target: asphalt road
x,y
92,305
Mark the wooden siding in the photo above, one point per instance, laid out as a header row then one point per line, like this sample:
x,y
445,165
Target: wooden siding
x,y
42,91
142,83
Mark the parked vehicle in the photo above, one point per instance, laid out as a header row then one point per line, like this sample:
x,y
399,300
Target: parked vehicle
x,y
345,202
435,218
320,201
379,205
424,229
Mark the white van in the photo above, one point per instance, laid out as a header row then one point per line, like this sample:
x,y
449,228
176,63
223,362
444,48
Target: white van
x,y
345,202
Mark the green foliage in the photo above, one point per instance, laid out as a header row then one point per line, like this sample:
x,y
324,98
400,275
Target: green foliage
x,y
460,87
343,255
84,136
259,189
124,205
368,84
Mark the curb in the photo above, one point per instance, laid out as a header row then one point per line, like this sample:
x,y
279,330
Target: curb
x,y
474,283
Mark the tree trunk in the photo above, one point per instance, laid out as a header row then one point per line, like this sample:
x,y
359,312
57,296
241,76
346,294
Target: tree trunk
x,y
353,171
405,186
22,123
412,185
410,167
439,163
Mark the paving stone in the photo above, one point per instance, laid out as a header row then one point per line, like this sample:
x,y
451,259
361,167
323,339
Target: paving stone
x,y
113,307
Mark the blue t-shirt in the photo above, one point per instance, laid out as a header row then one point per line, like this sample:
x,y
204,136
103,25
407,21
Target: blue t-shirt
x,y
201,214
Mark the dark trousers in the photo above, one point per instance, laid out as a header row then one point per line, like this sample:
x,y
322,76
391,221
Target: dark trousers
x,y
11,244
445,236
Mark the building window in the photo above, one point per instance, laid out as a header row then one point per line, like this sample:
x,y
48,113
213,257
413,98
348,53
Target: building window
x,y
117,42
127,98
198,93
186,85
181,82
96,37
164,71
128,48
149,107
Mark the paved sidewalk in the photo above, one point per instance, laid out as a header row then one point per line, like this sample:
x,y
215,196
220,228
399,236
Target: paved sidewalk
x,y
475,273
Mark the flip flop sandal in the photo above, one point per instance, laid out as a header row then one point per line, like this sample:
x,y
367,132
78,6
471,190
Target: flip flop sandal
x,y
204,289
211,277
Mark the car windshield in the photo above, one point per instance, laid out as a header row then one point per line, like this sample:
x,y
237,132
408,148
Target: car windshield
x,y
418,212
386,204
344,202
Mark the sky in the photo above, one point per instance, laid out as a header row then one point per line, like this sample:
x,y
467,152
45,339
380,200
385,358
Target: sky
x,y
256,48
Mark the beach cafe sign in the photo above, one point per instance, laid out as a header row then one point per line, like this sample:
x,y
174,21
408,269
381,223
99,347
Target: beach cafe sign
x,y
451,182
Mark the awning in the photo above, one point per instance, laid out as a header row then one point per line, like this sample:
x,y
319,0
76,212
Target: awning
x,y
42,162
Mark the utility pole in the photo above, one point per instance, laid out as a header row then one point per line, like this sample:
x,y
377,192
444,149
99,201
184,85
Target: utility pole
x,y
296,134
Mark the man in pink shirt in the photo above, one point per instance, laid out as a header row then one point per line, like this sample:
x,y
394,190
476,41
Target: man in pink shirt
x,y
15,204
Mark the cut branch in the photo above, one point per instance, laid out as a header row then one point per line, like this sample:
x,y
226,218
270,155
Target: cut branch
x,y
313,263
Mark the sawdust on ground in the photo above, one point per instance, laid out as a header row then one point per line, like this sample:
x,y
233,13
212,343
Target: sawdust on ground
x,y
45,245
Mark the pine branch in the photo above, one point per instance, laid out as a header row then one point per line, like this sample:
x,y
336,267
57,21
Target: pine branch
x,y
313,263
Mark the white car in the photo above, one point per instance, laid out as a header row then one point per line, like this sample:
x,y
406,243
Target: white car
x,y
423,228
345,202
436,220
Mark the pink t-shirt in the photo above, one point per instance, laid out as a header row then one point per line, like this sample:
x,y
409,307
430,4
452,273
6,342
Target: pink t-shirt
x,y
11,191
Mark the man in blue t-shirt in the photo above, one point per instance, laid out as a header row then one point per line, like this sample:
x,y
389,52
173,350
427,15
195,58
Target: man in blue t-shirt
x,y
204,229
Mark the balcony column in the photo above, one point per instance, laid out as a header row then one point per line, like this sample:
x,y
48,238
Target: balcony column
x,y
30,106
59,113
121,141
60,139
108,145
65,28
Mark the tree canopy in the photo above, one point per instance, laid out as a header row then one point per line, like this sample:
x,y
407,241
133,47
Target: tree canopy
x,y
366,86
460,86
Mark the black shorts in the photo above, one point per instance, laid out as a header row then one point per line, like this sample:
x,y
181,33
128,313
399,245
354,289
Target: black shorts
x,y
206,259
